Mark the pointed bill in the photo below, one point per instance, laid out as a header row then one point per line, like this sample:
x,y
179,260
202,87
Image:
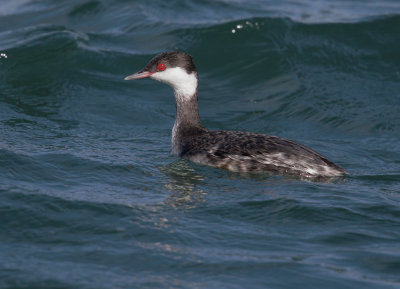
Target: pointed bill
x,y
138,75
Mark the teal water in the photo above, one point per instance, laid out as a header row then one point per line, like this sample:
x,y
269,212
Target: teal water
x,y
90,196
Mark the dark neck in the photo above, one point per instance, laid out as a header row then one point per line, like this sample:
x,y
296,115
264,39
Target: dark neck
x,y
187,122
187,112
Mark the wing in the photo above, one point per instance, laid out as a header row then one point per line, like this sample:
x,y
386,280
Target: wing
x,y
246,152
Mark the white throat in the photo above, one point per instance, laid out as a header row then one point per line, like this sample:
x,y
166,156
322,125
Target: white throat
x,y
185,87
183,83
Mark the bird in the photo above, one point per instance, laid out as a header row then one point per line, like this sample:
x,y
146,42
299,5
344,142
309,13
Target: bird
x,y
244,152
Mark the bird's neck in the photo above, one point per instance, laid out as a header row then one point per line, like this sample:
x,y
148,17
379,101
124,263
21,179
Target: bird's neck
x,y
185,89
187,110
187,120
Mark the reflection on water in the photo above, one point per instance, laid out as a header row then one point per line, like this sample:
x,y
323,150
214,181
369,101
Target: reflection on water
x,y
182,181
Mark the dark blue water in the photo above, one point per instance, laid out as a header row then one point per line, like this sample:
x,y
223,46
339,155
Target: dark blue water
x,y
90,196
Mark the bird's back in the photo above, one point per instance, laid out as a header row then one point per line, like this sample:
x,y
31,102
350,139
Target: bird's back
x,y
251,152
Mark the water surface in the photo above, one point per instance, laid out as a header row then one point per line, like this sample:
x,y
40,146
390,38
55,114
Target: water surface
x,y
90,196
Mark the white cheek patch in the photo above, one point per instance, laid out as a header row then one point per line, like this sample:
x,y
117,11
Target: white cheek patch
x,y
183,83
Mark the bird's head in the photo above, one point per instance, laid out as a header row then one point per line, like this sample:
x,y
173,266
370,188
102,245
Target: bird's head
x,y
173,68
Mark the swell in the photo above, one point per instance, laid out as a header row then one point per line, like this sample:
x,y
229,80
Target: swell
x,y
366,49
341,75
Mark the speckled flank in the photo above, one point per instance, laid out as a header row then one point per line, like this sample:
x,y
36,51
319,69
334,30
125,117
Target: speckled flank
x,y
250,152
234,151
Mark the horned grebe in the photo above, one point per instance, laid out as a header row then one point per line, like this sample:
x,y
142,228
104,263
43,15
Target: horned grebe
x,y
235,151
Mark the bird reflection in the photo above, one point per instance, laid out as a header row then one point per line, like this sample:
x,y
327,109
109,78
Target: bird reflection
x,y
182,181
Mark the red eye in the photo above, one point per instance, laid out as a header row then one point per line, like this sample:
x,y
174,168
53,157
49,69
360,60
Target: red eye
x,y
161,67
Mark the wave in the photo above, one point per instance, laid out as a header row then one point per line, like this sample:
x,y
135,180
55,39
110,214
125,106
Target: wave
x,y
272,59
